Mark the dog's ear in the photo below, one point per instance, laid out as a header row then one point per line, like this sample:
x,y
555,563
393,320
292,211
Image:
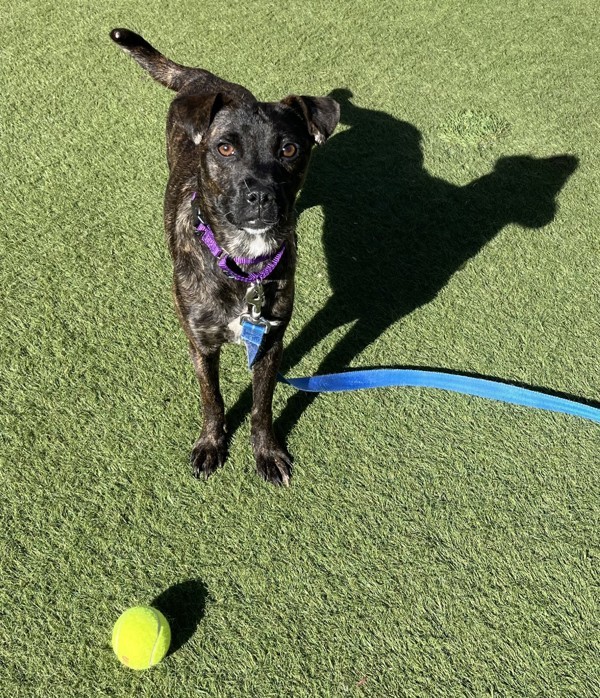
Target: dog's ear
x,y
321,114
195,113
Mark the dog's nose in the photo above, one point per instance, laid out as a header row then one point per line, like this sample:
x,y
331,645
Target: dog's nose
x,y
258,202
259,196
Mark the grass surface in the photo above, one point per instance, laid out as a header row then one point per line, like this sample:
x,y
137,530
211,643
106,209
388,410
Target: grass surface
x,y
430,544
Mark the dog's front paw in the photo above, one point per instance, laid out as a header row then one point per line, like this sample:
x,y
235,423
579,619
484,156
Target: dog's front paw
x,y
274,465
207,456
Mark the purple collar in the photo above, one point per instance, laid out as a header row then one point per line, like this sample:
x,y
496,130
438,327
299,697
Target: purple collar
x,y
224,259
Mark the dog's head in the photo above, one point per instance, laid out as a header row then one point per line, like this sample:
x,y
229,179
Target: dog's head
x,y
252,156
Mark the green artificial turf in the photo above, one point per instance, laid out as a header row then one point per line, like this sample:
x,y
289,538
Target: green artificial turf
x,y
430,544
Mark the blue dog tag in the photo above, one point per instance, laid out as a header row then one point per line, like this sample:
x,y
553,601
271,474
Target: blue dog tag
x,y
253,335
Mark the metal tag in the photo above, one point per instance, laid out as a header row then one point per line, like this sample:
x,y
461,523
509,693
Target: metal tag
x,y
255,297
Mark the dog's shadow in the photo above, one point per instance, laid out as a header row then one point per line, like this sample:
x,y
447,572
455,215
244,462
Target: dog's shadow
x,y
393,235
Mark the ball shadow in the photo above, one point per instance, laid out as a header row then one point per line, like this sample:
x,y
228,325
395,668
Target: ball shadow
x,y
183,605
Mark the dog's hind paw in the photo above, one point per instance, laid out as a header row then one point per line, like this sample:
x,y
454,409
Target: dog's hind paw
x,y
206,457
274,466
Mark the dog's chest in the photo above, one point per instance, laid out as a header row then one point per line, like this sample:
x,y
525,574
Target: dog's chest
x,y
216,318
212,324
235,330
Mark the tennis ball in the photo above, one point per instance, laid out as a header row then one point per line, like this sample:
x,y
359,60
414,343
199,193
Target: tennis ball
x,y
141,637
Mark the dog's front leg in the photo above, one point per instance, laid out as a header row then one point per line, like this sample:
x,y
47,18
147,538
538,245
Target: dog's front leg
x,y
273,463
210,450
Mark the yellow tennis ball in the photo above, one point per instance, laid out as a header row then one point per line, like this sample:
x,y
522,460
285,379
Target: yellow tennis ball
x,y
141,637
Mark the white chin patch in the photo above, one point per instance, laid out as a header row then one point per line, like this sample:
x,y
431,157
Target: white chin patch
x,y
256,231
257,245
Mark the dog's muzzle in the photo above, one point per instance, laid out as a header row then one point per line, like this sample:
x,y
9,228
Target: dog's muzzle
x,y
257,207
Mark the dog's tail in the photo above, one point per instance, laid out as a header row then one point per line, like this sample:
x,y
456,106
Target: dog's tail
x,y
161,68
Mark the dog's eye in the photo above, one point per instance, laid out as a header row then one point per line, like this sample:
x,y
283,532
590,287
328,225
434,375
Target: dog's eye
x,y
226,149
289,150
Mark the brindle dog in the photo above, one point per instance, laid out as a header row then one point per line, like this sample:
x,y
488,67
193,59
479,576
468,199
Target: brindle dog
x,y
235,164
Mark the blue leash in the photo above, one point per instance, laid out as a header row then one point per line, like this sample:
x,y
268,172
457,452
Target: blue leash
x,y
364,379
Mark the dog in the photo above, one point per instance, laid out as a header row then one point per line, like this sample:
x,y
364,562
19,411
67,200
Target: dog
x,y
236,166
